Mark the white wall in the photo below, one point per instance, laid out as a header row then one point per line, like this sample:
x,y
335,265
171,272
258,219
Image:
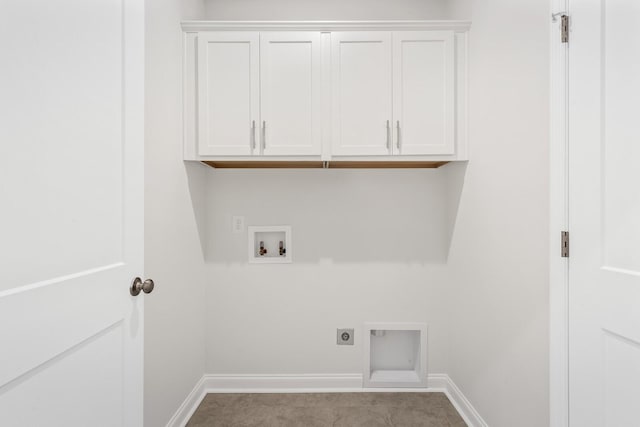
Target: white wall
x,y
318,10
367,246
498,263
487,306
174,312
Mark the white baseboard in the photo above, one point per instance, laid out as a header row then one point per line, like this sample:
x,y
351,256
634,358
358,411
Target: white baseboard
x,y
462,405
314,383
281,383
189,406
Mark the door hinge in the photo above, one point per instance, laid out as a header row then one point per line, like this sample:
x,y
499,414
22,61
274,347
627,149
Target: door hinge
x,y
564,28
564,244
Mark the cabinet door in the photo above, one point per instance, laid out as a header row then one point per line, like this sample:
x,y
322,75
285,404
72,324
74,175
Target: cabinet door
x,y
423,92
228,91
290,93
361,80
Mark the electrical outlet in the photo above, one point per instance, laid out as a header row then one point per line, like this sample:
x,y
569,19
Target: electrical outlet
x,y
345,337
237,224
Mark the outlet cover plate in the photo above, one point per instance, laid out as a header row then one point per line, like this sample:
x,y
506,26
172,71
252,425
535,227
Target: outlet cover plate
x,y
345,336
237,224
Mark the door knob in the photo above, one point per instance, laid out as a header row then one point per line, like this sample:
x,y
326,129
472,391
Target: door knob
x,y
138,285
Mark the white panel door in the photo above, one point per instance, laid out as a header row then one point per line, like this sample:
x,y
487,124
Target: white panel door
x,y
290,93
228,92
361,82
71,189
423,92
604,214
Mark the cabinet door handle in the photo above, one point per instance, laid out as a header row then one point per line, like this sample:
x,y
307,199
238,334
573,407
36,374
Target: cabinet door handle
x,y
264,134
398,131
388,137
253,134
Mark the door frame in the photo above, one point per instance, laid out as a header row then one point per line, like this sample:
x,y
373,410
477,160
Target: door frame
x,y
558,220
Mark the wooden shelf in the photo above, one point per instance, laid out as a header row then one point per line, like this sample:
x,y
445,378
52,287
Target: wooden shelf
x,y
263,164
314,164
400,164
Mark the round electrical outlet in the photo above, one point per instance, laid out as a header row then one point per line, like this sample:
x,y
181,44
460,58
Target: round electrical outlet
x,y
344,336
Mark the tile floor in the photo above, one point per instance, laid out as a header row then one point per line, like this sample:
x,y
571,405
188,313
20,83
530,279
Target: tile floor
x,y
327,409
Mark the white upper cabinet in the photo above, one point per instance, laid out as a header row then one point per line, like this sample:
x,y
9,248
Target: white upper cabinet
x,y
228,92
290,77
423,92
393,98
361,89
321,91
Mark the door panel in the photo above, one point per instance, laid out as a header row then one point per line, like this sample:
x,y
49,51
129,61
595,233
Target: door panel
x,y
361,81
622,380
604,207
71,179
82,307
423,92
44,101
30,401
621,125
228,88
290,93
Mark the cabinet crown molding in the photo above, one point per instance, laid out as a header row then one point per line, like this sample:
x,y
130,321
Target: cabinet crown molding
x,y
194,26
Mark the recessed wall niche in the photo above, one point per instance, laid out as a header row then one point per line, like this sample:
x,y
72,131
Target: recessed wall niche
x,y
395,355
269,244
